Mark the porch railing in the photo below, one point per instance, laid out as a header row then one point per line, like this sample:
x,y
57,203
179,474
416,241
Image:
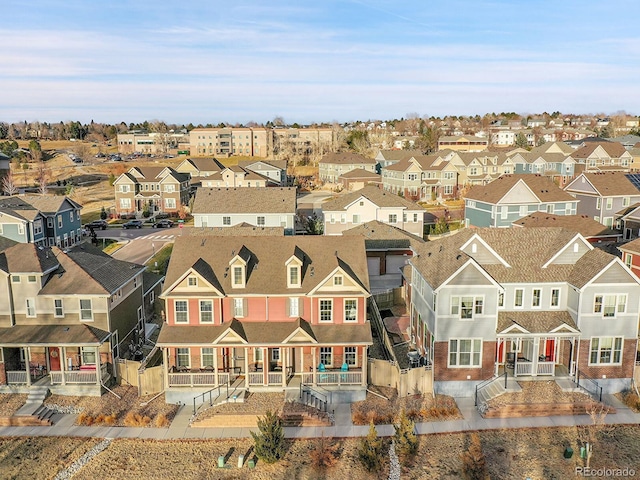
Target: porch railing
x,y
255,378
546,368
589,385
218,393
484,385
189,379
78,376
274,378
16,378
524,368
333,378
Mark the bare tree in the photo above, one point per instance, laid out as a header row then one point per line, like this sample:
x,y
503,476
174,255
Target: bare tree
x,y
42,177
592,433
9,186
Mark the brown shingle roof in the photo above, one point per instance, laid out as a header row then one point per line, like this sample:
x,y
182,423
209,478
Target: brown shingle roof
x,y
240,230
543,187
361,173
610,184
245,200
266,272
383,235
535,322
28,258
52,335
613,149
346,158
582,224
380,197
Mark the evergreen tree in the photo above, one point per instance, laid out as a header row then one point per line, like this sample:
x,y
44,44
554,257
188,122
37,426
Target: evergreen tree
x,y
521,141
269,442
405,436
370,450
103,214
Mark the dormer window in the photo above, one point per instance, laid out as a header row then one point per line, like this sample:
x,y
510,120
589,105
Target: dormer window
x,y
294,276
237,276
192,281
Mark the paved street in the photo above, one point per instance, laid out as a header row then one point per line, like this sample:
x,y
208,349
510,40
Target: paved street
x,y
312,202
141,243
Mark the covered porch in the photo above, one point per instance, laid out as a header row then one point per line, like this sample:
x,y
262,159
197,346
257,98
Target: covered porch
x,y
41,355
536,344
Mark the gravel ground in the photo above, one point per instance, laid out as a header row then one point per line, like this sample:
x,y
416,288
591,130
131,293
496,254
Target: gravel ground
x,y
10,403
109,404
539,392
254,404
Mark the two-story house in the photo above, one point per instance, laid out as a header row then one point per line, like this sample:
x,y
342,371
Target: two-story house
x,y
511,197
266,313
332,165
602,157
389,157
259,207
538,303
590,229
45,220
273,170
200,167
603,194
152,189
352,209
63,317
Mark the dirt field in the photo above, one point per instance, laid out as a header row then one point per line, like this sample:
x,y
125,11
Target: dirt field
x,y
10,403
509,454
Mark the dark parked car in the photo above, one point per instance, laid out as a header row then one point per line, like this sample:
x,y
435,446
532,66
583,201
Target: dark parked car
x,y
97,224
163,224
133,224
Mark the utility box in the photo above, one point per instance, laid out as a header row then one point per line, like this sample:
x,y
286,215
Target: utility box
x,y
221,461
568,452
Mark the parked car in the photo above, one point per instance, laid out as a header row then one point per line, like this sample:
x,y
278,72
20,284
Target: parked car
x,y
133,224
163,224
97,224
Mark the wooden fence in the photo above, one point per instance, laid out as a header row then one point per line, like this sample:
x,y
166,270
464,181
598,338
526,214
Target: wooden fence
x,y
148,380
407,382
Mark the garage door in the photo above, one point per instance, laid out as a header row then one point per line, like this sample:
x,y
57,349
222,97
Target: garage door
x,y
373,264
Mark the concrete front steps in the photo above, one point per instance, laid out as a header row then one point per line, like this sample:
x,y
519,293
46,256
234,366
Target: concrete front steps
x,y
37,396
495,389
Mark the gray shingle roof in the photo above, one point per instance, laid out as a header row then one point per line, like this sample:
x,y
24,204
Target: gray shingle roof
x,y
379,235
535,322
28,258
245,200
52,335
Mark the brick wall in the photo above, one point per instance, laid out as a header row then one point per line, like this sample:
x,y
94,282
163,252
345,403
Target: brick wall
x,y
442,373
611,371
3,375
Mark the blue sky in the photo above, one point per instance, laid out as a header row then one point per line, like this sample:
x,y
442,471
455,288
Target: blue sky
x,y
240,61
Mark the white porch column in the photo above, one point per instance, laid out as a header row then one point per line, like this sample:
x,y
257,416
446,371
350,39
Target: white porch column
x,y
265,366
536,356
246,364
215,366
63,365
285,362
98,373
365,365
27,356
165,370
315,366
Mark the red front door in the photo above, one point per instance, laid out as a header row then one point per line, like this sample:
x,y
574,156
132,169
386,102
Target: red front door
x,y
54,359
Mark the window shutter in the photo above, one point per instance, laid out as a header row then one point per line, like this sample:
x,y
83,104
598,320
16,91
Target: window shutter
x,y
288,307
245,308
300,306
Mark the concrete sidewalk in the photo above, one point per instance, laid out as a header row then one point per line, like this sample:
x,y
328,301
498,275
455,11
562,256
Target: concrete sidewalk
x,y
343,427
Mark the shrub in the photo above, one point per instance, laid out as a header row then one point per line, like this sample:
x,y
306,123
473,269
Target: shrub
x,y
405,437
269,442
136,420
474,465
370,450
84,419
324,454
162,421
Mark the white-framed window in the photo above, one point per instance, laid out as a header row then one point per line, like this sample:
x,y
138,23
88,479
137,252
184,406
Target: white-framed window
x,y
31,307
57,308
628,259
88,355
598,203
15,278
606,351
465,352
37,227
238,307
206,311
326,356
206,357
350,310
275,354
448,190
350,356
467,307
555,297
226,220
238,276
332,218
609,205
260,221
338,281
125,203
343,218
192,281
326,310
626,201
524,211
50,222
169,188
124,189
294,307
393,218
294,276
501,300
170,203
356,219
415,218
20,229
86,312
181,311
257,354
610,305
518,298
535,298
59,221
183,357
31,278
